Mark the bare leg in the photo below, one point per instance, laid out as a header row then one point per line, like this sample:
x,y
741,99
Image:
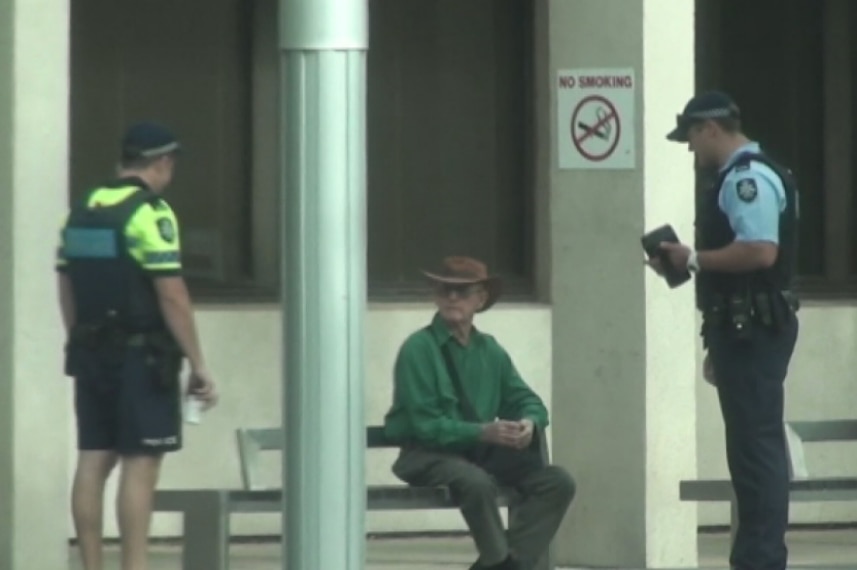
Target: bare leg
x,y
87,503
134,507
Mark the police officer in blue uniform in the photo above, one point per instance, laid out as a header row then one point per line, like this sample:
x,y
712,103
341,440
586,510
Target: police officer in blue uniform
x,y
744,262
130,324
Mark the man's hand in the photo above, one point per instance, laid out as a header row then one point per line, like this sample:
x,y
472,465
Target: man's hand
x,y
200,385
501,432
708,371
525,436
678,254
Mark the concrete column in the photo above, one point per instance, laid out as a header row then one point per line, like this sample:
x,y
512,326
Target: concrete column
x,y
624,418
34,395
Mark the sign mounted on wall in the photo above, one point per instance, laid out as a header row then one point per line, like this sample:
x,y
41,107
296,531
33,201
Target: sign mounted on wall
x,y
595,111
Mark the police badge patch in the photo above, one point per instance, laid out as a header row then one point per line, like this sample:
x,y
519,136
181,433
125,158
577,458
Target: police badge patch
x,y
747,189
166,229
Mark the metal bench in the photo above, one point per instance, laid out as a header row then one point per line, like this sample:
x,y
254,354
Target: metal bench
x,y
802,487
206,512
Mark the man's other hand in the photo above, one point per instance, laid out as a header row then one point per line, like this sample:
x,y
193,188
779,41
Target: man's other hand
x,y
501,432
656,266
678,253
525,435
202,386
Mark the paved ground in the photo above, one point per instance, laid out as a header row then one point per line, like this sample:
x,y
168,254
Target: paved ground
x,y
817,550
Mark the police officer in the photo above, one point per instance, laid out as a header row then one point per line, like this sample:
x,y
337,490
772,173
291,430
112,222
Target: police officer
x,y
744,265
129,322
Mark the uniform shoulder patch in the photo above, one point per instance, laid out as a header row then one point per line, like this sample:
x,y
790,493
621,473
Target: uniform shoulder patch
x,y
166,229
747,189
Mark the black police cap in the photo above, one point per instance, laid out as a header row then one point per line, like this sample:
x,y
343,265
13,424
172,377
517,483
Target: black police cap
x,y
148,140
708,105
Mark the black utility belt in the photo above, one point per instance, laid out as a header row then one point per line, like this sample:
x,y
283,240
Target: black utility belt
x,y
743,311
101,336
111,345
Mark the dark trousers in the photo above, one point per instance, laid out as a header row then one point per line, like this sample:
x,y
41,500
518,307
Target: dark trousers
x,y
547,494
750,374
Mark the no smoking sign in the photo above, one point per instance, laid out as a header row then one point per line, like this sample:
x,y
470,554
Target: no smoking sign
x,y
595,128
596,119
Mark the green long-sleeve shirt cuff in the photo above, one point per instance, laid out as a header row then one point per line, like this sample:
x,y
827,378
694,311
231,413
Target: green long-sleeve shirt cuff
x,y
538,417
456,434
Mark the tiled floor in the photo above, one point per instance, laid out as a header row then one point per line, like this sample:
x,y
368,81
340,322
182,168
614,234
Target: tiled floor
x,y
817,550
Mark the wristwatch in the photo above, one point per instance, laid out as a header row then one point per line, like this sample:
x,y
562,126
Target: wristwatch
x,y
693,262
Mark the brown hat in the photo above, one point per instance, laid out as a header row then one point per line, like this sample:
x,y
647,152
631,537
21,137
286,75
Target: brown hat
x,y
466,270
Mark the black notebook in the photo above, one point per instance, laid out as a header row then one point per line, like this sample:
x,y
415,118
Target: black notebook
x,y
651,245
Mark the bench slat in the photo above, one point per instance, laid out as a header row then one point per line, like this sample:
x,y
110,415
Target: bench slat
x,y
826,430
377,439
721,489
272,439
378,497
267,439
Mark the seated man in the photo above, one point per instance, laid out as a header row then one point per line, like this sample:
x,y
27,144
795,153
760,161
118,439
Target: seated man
x,y
468,421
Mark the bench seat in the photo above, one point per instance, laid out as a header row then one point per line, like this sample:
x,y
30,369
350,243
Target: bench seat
x,y
810,490
802,487
206,512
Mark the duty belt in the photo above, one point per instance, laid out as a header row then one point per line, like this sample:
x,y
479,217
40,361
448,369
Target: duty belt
x,y
111,336
743,311
111,342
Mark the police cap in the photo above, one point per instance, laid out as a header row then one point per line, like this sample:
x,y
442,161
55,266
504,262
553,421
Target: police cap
x,y
148,140
708,105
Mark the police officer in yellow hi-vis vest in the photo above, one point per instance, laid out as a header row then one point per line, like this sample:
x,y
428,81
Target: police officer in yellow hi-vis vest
x,y
130,324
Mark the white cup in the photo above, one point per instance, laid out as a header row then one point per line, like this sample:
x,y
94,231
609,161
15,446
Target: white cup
x,y
193,410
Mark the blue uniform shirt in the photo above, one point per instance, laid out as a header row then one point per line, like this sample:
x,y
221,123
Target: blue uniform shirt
x,y
752,197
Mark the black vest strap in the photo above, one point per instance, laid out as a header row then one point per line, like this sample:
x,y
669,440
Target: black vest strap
x,y
746,158
119,213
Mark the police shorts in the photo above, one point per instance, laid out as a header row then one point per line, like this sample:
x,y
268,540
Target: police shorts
x,y
123,406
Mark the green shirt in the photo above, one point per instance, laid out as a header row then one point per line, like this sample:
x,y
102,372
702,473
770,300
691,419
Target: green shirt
x,y
425,407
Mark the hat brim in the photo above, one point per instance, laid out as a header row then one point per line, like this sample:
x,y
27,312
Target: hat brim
x,y
678,134
493,286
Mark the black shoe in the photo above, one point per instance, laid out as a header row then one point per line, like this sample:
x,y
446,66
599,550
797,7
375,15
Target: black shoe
x,y
508,564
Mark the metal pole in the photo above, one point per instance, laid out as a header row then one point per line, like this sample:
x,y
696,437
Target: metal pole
x,y
323,71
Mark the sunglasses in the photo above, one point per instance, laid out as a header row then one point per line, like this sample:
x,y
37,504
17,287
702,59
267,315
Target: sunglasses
x,y
461,289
